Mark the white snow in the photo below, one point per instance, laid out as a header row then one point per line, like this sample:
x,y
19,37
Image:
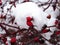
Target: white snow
x,y
31,9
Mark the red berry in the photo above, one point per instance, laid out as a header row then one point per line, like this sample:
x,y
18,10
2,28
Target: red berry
x,y
57,33
29,19
13,40
29,23
49,16
45,31
36,39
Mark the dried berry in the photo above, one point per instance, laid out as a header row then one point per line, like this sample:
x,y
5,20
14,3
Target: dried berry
x,y
49,16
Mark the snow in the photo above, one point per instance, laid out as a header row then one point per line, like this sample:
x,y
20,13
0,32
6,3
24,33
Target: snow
x,y
52,12
31,9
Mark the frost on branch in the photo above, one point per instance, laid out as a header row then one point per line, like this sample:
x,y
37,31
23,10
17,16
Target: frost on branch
x,y
29,22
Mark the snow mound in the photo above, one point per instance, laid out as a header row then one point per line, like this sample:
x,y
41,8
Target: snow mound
x,y
23,10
